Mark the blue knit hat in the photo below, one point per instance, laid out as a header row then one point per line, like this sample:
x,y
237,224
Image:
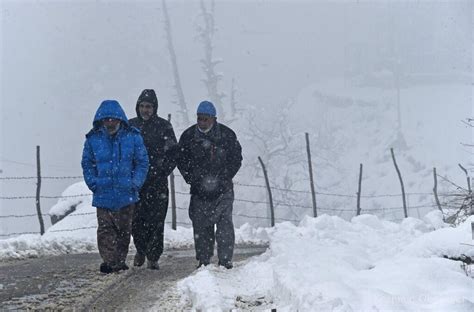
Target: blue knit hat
x,y
206,108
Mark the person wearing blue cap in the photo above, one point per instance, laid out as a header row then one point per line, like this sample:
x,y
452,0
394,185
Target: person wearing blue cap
x,y
114,165
209,156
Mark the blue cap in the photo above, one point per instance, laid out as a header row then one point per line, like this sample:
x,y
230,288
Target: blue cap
x,y
207,108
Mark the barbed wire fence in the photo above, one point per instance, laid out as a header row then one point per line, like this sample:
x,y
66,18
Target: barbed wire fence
x,y
272,202
183,194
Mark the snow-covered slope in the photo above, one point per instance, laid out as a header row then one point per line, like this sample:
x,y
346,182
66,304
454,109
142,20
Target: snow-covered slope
x,y
329,264
352,124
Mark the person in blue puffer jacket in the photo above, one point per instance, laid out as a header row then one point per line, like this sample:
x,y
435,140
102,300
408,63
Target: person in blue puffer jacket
x,y
115,165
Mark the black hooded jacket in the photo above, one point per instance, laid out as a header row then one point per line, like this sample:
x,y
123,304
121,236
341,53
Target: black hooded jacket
x,y
209,161
159,139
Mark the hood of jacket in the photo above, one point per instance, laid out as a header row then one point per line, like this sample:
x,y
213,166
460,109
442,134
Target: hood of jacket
x,y
148,95
109,109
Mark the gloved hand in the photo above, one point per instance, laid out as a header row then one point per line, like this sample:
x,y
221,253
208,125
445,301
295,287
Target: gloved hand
x,y
209,187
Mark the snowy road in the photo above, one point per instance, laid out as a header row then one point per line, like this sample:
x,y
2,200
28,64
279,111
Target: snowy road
x,y
73,281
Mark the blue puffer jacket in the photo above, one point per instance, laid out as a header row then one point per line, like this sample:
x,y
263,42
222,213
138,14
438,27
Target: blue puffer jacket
x,y
116,166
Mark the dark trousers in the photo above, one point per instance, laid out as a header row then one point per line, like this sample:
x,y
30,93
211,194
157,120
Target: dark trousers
x,y
113,233
212,222
149,221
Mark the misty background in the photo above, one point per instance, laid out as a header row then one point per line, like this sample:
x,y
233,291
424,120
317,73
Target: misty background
x,y
359,77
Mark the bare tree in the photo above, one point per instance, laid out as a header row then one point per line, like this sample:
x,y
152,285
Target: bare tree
x,y
273,139
206,33
458,203
177,80
470,123
233,100
279,147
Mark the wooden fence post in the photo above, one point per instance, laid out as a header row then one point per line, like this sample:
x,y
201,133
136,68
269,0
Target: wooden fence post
x,y
401,183
270,198
38,190
467,177
172,195
472,204
472,229
311,180
471,201
359,191
435,190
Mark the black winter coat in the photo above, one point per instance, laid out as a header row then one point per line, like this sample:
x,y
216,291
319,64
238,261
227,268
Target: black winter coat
x,y
209,161
160,142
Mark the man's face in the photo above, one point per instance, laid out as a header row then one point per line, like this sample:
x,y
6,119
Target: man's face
x,y
205,122
146,110
112,125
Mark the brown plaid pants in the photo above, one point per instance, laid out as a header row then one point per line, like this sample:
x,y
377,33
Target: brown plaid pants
x,y
113,233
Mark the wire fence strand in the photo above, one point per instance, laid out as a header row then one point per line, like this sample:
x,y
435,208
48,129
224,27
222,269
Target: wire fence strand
x,y
278,203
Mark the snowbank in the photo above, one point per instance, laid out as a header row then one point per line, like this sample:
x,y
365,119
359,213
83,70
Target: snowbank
x,y
327,264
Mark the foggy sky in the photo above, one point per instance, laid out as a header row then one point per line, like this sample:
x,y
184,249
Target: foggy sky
x,y
60,59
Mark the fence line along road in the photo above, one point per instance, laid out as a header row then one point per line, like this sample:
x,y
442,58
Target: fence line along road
x,y
244,200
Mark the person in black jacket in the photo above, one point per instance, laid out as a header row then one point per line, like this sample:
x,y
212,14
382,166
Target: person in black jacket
x,y
209,156
150,213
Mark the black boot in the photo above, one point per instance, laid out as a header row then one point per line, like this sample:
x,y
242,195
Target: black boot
x,y
226,264
106,268
139,259
203,263
153,265
121,266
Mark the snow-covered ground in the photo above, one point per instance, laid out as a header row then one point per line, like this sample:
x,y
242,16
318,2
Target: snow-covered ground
x,y
323,264
328,264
